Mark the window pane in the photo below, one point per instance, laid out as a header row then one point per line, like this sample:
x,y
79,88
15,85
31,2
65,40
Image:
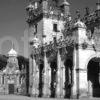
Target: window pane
x,y
55,27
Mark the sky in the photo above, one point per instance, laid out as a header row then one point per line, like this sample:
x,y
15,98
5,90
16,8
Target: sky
x,y
13,19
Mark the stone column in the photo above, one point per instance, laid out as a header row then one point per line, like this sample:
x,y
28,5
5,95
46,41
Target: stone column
x,y
80,86
36,81
83,84
0,79
72,81
30,74
63,79
90,91
74,87
59,77
99,73
49,80
34,75
47,77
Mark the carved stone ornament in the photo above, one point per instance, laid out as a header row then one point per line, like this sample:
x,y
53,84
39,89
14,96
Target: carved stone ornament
x,y
63,53
84,45
96,37
51,55
39,58
89,34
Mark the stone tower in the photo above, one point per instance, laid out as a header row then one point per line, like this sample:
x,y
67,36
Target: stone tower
x,y
46,20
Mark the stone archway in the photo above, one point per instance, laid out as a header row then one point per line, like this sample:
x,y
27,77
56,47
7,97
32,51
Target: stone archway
x,y
93,77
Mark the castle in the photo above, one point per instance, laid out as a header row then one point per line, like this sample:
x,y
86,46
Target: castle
x,y
64,53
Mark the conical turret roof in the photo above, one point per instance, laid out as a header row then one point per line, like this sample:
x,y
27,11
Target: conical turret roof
x,y
63,2
12,52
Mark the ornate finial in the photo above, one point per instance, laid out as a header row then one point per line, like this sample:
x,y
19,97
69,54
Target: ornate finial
x,y
87,11
78,14
13,46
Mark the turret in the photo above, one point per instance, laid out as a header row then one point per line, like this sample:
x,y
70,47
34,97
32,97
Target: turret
x,y
81,30
65,7
98,9
33,5
12,53
45,5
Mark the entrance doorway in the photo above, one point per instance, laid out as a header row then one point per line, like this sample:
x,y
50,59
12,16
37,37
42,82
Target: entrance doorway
x,y
11,88
93,71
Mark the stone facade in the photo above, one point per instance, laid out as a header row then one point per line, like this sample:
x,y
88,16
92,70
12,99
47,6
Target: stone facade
x,y
11,80
61,52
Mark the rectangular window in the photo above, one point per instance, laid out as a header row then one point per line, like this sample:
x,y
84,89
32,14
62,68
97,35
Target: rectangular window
x,y
35,29
55,27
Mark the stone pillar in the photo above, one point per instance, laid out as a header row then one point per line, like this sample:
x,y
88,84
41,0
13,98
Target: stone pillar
x,y
63,79
99,73
47,78
0,79
36,81
80,86
72,81
30,74
90,91
83,83
59,77
74,87
34,75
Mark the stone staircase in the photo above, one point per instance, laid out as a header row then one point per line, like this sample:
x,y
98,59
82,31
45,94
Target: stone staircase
x,y
18,97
